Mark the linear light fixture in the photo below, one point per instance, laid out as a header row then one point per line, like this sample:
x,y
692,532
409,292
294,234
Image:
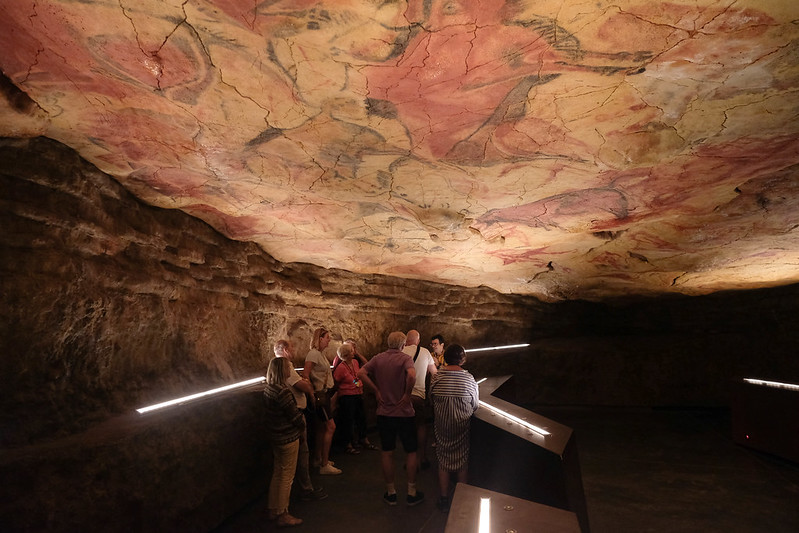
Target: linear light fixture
x,y
523,423
774,384
211,392
490,348
484,525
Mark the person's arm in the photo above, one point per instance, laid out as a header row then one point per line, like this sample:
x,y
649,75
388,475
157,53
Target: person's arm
x,y
306,371
410,381
431,371
363,375
361,359
339,374
475,396
304,385
289,407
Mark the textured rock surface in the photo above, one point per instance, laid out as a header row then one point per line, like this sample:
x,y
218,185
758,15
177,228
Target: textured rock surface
x,y
555,148
109,304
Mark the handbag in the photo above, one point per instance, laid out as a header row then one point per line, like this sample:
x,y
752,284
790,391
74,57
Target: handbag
x,y
322,398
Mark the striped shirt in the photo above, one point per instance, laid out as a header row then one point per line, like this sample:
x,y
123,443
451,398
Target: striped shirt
x,y
455,399
284,422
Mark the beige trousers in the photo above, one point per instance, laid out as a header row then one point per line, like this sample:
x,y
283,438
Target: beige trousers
x,y
282,475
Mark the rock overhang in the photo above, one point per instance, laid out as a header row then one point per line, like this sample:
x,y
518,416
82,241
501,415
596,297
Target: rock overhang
x,y
543,148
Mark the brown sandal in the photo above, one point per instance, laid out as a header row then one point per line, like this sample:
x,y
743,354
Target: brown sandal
x,y
286,520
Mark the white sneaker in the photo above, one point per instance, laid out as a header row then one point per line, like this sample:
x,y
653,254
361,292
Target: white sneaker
x,y
329,470
317,464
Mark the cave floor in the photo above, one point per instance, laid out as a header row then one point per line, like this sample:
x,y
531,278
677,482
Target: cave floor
x,y
658,470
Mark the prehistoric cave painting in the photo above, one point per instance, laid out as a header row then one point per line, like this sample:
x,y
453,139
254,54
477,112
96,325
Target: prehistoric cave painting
x,y
178,67
318,49
573,211
442,80
462,83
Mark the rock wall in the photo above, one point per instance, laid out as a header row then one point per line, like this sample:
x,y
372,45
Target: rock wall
x,y
109,304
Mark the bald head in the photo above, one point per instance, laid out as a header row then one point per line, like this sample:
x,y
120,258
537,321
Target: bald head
x,y
412,338
282,348
396,340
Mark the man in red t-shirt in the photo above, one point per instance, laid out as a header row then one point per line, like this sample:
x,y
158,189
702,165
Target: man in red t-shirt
x,y
392,376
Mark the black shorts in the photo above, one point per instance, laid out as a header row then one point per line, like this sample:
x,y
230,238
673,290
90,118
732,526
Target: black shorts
x,y
391,427
322,409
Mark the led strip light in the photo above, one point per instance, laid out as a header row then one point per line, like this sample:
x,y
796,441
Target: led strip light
x,y
511,417
516,419
774,384
261,379
506,347
484,525
211,392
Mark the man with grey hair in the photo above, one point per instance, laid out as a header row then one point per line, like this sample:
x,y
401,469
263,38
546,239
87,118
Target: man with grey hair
x,y
391,376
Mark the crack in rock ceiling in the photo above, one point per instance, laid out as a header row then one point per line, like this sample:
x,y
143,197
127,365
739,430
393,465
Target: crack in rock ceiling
x,y
560,149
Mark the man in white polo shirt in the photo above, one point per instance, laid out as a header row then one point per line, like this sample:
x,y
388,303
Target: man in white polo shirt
x,y
424,364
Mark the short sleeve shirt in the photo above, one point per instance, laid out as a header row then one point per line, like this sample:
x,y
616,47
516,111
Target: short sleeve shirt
x,y
389,371
321,376
422,361
347,379
299,396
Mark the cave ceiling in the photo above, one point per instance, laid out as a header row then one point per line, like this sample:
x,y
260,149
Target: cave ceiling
x,y
562,149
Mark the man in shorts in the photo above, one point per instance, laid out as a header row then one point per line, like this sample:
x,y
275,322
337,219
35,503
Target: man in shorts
x,y
425,366
391,376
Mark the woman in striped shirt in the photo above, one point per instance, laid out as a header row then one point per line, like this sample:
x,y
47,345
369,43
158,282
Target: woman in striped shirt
x,y
284,426
455,399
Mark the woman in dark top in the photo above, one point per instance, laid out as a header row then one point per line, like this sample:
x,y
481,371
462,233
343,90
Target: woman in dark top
x,y
284,427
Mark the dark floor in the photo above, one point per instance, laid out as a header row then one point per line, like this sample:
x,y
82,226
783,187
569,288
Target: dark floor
x,y
643,470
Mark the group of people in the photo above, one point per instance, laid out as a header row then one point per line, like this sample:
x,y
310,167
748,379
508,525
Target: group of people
x,y
405,379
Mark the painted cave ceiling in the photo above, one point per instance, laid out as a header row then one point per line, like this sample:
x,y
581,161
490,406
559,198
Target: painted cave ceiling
x,y
562,149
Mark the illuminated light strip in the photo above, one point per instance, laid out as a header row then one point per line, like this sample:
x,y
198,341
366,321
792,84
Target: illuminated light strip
x,y
472,350
211,392
485,516
482,380
775,384
516,419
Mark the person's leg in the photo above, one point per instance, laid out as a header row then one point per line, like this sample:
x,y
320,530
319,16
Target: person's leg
x,y
412,465
329,428
387,464
347,407
386,427
303,474
359,417
421,430
287,477
443,487
463,474
319,437
407,435
443,482
285,463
